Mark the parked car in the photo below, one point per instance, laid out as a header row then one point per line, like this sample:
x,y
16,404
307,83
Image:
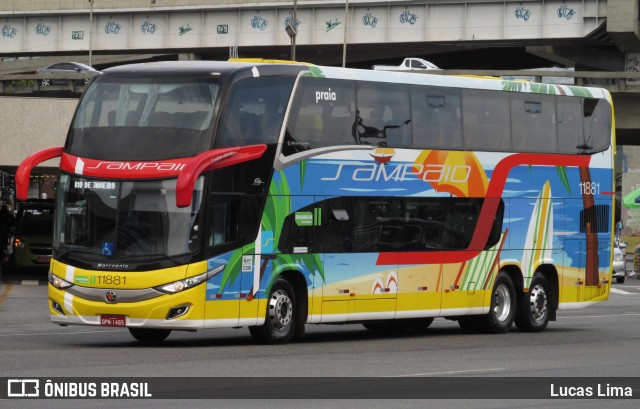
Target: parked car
x,y
66,68
32,241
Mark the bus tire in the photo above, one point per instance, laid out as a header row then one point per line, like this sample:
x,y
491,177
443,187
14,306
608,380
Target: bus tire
x,y
150,335
533,311
280,321
503,305
501,313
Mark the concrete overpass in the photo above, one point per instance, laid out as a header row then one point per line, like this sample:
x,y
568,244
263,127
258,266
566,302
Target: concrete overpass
x,y
589,35
481,34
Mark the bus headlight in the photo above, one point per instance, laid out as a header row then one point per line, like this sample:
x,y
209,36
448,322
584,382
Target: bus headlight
x,y
181,285
58,282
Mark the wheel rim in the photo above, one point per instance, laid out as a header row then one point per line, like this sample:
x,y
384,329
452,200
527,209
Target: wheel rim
x,y
538,303
502,306
280,310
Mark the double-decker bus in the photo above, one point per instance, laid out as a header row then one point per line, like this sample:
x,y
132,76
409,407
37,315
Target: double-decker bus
x,y
197,195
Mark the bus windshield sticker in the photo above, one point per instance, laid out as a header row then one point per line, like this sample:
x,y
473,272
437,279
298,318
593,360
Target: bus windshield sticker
x,y
107,248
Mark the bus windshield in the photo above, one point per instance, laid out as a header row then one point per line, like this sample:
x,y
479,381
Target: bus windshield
x,y
124,219
144,119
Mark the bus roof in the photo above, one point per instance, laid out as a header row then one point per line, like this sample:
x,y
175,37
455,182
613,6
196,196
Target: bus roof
x,y
271,67
190,67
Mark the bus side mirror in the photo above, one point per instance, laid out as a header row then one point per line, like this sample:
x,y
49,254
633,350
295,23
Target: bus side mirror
x,y
23,174
210,160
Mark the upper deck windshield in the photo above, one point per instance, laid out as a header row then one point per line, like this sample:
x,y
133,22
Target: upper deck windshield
x,y
144,118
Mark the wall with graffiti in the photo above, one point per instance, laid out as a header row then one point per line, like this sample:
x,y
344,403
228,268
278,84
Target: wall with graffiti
x,y
119,30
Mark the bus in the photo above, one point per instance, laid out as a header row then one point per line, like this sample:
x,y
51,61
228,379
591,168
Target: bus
x,y
203,194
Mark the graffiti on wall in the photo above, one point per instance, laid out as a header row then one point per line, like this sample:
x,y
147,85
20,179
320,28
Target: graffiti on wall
x,y
182,30
8,31
369,19
522,13
331,24
42,29
407,17
564,11
112,27
259,23
287,21
148,27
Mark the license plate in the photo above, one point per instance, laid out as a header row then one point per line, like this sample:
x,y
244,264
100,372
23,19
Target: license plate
x,y
43,259
113,321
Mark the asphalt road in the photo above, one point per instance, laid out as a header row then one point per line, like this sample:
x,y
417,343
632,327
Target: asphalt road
x,y
601,341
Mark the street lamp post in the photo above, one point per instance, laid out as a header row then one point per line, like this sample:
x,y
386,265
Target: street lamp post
x,y
293,39
90,30
292,31
344,45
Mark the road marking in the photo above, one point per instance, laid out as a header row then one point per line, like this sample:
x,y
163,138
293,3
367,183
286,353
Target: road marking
x,y
450,372
617,291
5,293
626,314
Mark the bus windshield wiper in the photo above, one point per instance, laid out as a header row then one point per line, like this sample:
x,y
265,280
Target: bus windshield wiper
x,y
69,251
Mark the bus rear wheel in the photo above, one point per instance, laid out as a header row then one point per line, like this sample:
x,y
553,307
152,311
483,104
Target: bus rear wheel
x,y
280,321
150,335
533,311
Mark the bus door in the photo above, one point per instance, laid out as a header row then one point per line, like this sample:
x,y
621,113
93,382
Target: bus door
x,y
297,246
231,296
465,285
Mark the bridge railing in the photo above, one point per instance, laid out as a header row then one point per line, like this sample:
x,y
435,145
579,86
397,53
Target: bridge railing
x,y
614,81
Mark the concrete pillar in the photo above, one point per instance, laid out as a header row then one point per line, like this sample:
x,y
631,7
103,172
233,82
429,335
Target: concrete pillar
x,y
623,25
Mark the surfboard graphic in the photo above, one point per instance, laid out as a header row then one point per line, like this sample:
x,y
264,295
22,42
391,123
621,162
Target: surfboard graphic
x,y
537,245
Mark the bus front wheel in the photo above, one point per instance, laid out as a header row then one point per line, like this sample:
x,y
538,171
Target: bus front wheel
x,y
501,313
150,335
533,311
280,321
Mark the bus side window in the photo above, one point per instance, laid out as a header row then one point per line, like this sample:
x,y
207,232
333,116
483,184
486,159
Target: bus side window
x,y
485,126
436,118
321,114
224,222
297,232
533,123
382,116
337,226
569,124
